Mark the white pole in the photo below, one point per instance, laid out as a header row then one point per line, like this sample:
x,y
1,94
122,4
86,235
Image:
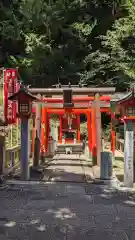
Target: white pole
x,y
98,126
128,154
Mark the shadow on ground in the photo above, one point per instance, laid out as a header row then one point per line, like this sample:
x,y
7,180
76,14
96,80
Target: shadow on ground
x,y
66,211
59,175
65,208
67,170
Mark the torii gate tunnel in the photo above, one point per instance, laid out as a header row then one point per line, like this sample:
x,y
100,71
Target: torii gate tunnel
x,y
69,103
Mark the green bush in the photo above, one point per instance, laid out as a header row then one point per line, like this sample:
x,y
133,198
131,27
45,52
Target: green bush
x,y
106,133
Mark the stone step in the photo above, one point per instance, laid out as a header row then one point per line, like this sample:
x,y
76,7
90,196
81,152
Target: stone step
x,y
68,152
75,153
69,148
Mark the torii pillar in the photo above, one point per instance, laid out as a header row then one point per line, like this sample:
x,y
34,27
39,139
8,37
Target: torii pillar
x,y
78,128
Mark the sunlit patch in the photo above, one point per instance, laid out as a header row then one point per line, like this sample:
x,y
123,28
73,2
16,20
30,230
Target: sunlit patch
x,y
130,203
109,190
105,196
64,213
52,179
125,190
41,228
49,211
35,221
132,197
10,224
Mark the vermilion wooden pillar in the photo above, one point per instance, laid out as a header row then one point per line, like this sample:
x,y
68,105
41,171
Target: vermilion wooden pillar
x,y
89,131
113,134
33,136
60,129
78,128
43,123
94,146
44,131
47,131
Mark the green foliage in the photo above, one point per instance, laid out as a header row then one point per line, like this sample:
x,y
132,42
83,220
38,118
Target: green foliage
x,y
120,42
106,133
87,41
84,129
113,64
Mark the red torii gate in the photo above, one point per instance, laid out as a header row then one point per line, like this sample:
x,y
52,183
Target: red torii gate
x,y
89,111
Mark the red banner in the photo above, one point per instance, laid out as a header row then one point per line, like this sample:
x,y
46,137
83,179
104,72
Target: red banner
x,y
16,90
10,87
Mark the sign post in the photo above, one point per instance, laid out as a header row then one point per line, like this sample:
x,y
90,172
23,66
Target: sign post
x,y
128,153
98,127
24,149
113,124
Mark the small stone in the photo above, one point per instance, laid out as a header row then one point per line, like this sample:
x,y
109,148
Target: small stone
x,y
35,221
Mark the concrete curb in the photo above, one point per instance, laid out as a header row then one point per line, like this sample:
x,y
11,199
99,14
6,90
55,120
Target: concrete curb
x,y
19,182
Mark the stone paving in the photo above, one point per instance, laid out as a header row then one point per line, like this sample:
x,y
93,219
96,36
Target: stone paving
x,y
68,168
63,211
70,210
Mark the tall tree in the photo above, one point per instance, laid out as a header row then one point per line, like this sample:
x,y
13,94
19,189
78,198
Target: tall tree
x,y
120,44
63,40
101,65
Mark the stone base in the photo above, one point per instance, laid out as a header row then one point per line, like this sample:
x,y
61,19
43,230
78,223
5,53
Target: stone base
x,y
112,182
96,171
109,182
74,148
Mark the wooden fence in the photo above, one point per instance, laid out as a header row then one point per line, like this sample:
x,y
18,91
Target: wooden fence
x,y
12,159
12,149
120,145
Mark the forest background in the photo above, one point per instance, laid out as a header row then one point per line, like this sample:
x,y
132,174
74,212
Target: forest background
x,y
87,41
